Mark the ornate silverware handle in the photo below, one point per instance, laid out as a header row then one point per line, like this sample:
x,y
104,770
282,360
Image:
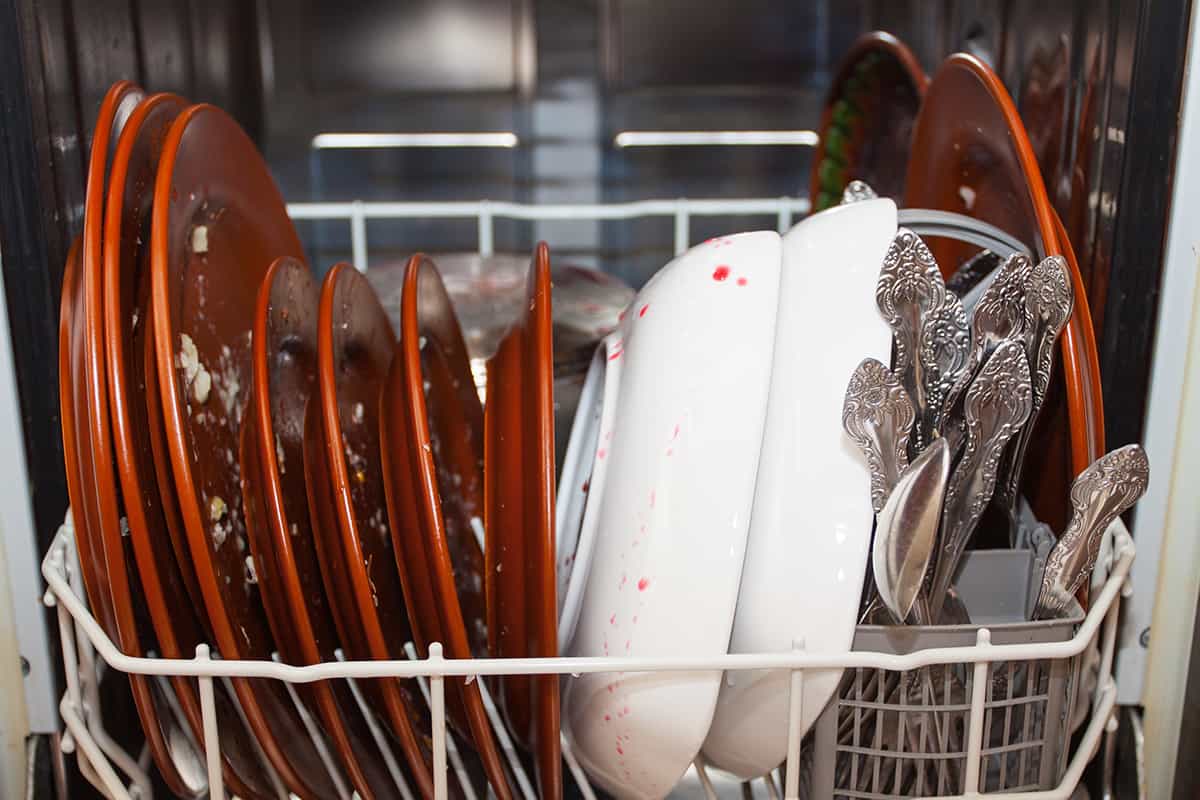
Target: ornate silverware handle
x,y
1100,494
997,405
1049,299
878,416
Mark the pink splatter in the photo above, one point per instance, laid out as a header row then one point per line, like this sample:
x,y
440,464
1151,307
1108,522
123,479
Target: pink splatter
x,y
742,281
627,643
652,495
675,433
612,620
608,718
620,752
720,273
643,584
621,317
625,711
635,619
670,451
643,310
610,688
624,578
601,453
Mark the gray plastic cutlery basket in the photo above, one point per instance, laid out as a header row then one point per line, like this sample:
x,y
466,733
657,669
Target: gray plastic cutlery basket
x,y
892,734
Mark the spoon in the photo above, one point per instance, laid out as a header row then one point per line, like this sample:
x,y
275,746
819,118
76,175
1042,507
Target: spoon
x,y
906,529
910,290
878,416
1000,314
996,406
1100,494
1049,300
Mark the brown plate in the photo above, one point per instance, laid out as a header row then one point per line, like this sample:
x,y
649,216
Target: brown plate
x,y
126,287
432,429
175,758
867,121
345,491
971,155
519,519
218,223
284,353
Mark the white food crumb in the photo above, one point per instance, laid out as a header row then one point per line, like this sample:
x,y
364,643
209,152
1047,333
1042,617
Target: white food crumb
x,y
477,528
124,526
279,456
251,573
200,239
421,343
216,509
968,196
358,413
295,529
201,386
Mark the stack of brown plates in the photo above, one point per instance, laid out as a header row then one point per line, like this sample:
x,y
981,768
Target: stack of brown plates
x,y
257,463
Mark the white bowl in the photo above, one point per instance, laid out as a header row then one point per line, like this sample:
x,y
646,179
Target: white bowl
x,y
810,529
583,477
672,519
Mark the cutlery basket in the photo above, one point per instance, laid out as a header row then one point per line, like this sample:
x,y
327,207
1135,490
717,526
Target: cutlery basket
x,y
900,734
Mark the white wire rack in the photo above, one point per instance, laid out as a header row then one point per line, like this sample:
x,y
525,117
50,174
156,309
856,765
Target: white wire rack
x,y
87,650
100,757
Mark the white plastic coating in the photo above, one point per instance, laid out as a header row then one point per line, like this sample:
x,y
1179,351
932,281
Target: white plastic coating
x,y
358,236
682,226
212,743
979,686
486,229
541,212
784,217
318,740
437,708
701,767
452,756
791,790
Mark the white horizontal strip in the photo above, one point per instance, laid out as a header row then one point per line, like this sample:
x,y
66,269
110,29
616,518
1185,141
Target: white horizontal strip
x,y
531,211
363,141
802,138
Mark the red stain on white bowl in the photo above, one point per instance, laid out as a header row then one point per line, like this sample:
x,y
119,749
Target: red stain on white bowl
x,y
652,496
586,485
643,584
601,453
644,309
742,281
720,273
612,620
608,717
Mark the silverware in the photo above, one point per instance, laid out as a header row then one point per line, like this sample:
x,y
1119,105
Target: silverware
x,y
1100,494
906,529
1049,299
996,406
878,416
909,294
857,191
1000,314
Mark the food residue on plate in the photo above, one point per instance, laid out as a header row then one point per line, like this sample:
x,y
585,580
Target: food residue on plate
x,y
194,374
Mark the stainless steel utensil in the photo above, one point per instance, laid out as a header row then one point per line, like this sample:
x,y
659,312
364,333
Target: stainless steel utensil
x,y
910,295
878,416
906,529
856,191
1100,494
996,406
1049,299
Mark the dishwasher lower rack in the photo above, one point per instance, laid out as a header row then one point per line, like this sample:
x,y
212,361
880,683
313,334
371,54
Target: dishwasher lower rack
x,y
87,650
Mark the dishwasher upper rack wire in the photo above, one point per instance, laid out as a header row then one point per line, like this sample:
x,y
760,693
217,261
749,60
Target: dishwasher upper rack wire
x,y
82,637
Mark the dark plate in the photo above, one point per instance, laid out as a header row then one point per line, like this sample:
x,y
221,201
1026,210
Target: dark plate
x,y
159,585
432,428
284,353
218,223
519,519
867,122
346,498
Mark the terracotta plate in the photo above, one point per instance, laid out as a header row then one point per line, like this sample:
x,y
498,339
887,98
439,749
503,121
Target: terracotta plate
x,y
432,429
867,122
519,519
971,155
126,288
345,491
176,760
284,353
218,223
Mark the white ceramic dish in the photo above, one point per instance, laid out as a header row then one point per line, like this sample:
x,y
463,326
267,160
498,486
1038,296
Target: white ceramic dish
x,y
583,477
810,530
672,517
